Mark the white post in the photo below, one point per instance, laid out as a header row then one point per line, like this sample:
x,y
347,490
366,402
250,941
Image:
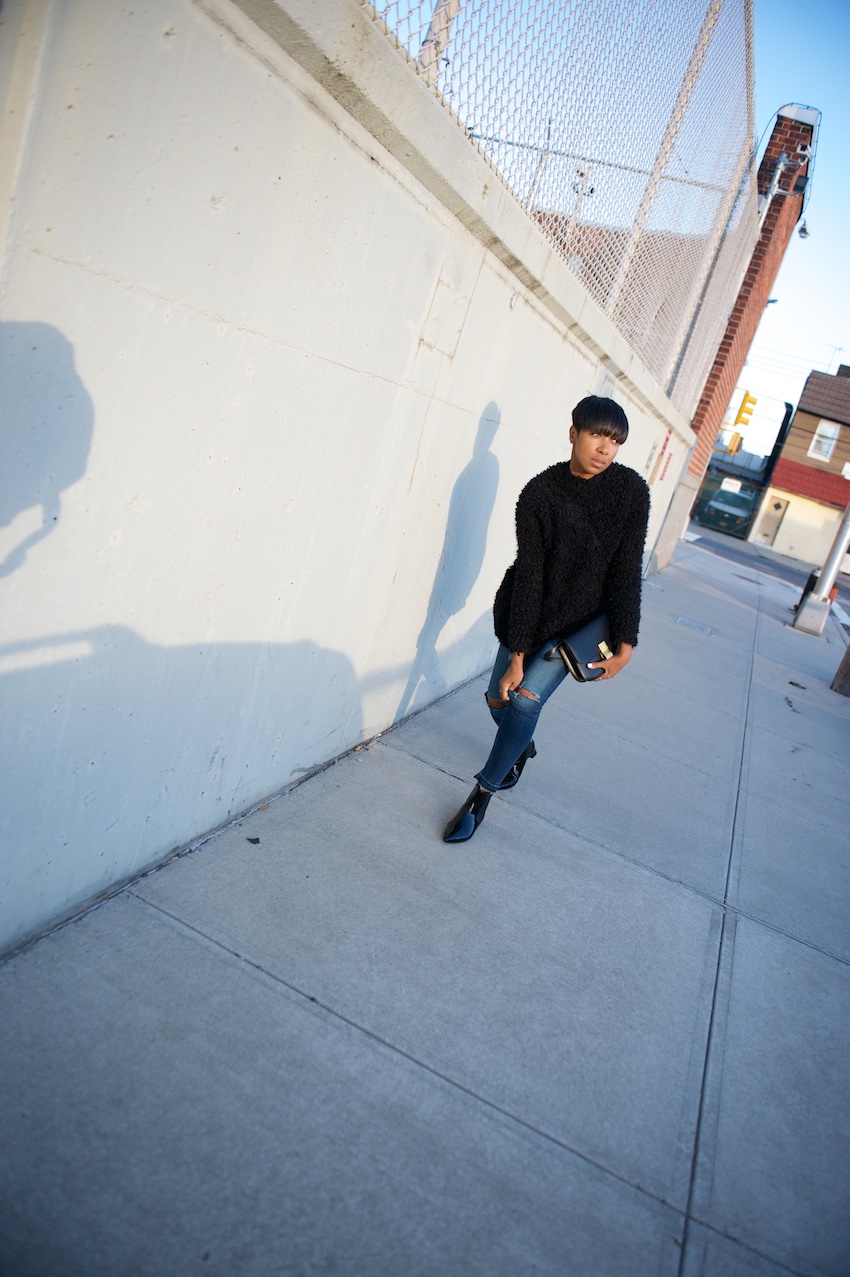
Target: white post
x,y
674,123
434,44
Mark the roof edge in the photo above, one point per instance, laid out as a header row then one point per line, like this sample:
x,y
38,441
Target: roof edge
x,y
802,114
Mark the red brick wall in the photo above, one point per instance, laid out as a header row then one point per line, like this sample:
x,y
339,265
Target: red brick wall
x,y
806,481
784,213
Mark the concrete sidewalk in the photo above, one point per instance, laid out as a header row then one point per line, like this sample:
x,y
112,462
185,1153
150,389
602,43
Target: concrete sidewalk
x,y
607,1036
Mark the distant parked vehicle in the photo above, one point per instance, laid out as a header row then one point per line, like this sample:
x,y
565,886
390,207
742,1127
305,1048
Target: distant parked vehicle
x,y
728,511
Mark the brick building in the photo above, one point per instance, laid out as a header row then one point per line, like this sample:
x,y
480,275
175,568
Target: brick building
x,y
782,180
810,485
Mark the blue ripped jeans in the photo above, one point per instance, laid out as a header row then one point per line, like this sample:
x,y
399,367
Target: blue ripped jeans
x,y
517,720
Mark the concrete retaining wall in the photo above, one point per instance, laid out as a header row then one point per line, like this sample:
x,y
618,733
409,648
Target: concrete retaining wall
x,y
278,351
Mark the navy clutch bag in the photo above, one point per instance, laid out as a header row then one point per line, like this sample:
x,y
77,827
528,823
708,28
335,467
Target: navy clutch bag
x,y
589,643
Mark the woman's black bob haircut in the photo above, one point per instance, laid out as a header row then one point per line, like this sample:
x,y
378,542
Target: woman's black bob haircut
x,y
602,417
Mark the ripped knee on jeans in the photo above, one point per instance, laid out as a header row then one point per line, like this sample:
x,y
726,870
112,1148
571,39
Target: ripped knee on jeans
x,y
520,691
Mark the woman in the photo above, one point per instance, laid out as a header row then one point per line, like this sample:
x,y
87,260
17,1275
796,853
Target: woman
x,y
581,527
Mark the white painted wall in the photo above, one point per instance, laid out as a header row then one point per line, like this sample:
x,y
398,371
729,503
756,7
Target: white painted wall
x,y
807,530
273,370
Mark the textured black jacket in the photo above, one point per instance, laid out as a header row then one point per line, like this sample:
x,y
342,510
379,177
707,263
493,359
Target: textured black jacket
x,y
579,551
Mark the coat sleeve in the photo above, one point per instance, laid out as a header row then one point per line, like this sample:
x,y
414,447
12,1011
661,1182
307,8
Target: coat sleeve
x,y
623,577
526,604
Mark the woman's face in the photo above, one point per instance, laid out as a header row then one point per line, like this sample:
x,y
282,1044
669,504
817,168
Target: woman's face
x,y
592,453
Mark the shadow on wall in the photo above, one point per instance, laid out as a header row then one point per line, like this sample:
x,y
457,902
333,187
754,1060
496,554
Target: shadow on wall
x,y
119,750
125,750
470,509
47,419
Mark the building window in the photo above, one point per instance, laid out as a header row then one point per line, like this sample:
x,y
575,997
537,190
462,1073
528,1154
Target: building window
x,y
823,443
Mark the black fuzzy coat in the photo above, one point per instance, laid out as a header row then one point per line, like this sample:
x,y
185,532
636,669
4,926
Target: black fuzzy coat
x,y
579,551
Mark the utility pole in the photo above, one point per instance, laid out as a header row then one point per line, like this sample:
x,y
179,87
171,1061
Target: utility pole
x,y
841,682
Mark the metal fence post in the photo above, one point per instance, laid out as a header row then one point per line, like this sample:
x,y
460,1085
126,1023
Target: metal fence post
x,y
434,44
677,115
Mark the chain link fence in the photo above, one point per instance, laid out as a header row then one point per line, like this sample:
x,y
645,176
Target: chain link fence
x,y
625,128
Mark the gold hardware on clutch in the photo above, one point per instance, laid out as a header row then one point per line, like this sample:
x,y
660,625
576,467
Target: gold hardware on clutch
x,y
605,651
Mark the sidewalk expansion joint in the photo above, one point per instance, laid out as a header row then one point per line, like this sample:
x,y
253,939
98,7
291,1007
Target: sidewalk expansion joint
x,y
418,1063
720,901
762,1255
715,1039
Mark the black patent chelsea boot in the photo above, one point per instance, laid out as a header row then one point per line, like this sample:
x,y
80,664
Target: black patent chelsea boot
x,y
463,825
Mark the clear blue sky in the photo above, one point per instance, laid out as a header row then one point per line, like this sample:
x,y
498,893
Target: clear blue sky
x,y
803,55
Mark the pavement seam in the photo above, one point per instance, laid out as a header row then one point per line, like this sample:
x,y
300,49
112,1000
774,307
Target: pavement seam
x,y
702,1158
728,928
396,1050
573,833
695,892
749,1249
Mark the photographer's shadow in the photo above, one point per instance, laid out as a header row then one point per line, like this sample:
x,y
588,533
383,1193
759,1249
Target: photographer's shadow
x,y
128,749
47,417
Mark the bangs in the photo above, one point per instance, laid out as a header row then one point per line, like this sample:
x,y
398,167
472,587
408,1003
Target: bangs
x,y
612,430
603,417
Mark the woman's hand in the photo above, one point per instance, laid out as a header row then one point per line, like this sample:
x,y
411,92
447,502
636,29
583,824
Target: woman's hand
x,y
612,666
513,675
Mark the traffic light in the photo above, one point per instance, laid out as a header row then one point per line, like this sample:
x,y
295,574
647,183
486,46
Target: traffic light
x,y
734,444
746,409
